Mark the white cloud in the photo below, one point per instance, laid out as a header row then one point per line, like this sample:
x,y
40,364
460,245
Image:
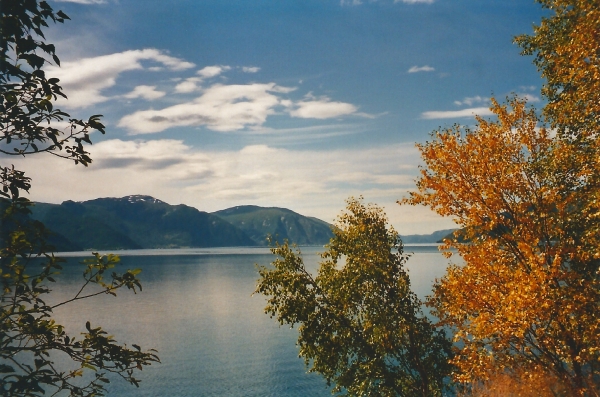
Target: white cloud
x,y
322,108
449,114
212,71
527,88
188,85
470,101
233,107
177,173
250,69
425,68
192,84
529,97
148,92
220,108
84,80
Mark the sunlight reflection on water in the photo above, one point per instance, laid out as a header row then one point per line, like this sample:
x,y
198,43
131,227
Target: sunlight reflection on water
x,y
198,311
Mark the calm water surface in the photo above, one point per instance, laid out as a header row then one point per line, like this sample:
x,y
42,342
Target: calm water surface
x,y
212,335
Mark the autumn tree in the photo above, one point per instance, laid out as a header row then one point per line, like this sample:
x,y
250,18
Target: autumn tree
x,y
526,299
30,339
566,51
360,325
525,303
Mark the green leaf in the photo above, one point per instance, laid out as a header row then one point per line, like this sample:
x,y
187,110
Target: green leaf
x,y
88,366
6,369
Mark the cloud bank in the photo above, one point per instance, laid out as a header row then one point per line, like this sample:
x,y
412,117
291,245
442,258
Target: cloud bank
x,y
84,80
234,107
219,108
178,173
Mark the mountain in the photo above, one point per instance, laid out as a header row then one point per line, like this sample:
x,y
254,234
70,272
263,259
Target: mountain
x,y
281,223
434,237
7,224
135,222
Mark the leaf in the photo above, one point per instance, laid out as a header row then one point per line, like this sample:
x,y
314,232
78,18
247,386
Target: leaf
x,y
88,366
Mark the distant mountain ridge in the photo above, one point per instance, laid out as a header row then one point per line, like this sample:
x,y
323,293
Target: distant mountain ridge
x,y
134,222
280,223
139,221
434,237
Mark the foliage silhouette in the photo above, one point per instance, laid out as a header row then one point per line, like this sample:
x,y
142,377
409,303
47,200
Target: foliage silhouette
x,y
360,325
29,338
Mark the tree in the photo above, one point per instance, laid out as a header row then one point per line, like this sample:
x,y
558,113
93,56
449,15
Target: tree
x,y
565,46
526,299
29,338
360,326
27,115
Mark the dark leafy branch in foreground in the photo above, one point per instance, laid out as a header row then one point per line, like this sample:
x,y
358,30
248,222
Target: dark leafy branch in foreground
x,y
30,338
29,123
31,342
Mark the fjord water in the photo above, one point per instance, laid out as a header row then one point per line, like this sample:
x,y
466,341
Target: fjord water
x,y
198,311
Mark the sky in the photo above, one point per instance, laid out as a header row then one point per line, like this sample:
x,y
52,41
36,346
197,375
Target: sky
x,y
285,103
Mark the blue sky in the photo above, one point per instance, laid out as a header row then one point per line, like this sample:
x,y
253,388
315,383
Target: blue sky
x,y
298,104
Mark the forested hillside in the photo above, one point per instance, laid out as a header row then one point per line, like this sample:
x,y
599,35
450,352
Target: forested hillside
x,y
281,223
136,222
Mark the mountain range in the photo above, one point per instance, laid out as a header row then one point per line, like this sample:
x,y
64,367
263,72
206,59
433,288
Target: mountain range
x,y
135,222
138,222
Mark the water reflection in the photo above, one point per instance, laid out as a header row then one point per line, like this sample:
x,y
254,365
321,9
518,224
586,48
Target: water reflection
x,y
213,338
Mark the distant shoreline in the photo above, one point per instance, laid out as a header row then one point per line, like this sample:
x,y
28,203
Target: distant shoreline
x,y
416,247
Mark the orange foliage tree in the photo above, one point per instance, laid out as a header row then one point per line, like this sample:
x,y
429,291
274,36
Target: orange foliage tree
x,y
526,299
565,46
